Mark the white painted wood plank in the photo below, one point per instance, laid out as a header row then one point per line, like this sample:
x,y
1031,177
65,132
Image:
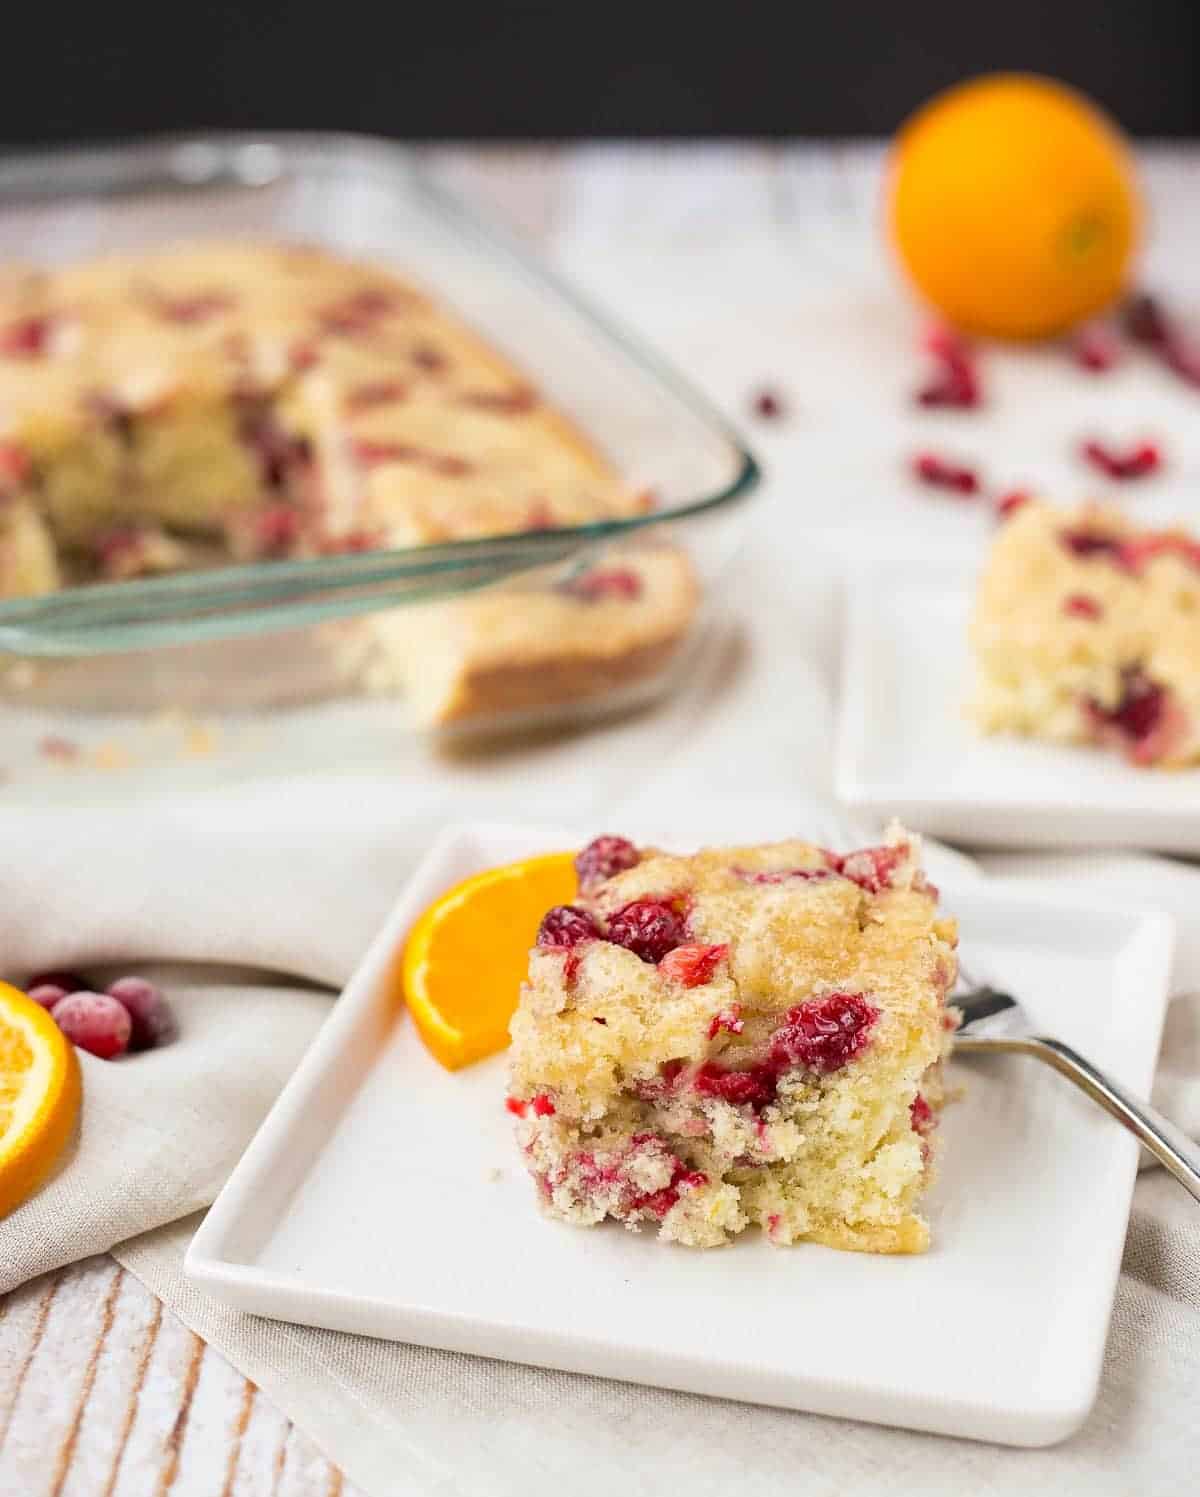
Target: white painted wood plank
x,y
262,1449
208,1450
22,1327
150,1458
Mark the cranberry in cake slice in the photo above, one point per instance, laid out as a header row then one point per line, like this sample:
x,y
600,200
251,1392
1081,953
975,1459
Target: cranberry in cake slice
x,y
1087,630
748,1036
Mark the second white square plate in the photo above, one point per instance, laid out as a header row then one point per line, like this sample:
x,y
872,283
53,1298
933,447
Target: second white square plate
x,y
906,749
385,1195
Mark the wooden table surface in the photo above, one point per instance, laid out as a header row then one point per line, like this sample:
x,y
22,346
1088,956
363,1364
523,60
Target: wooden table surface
x,y
103,1393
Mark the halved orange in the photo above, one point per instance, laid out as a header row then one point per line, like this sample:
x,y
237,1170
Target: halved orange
x,y
467,955
39,1095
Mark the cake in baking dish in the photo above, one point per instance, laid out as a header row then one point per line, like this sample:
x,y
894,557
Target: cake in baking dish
x,y
190,407
748,1036
1086,629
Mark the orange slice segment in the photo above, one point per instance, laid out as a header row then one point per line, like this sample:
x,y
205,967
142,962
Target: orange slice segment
x,y
467,955
39,1096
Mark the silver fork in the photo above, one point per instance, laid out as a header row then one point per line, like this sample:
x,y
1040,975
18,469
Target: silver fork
x,y
994,1022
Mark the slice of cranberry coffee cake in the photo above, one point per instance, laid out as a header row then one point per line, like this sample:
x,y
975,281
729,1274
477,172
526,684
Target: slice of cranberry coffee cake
x,y
1087,630
753,1035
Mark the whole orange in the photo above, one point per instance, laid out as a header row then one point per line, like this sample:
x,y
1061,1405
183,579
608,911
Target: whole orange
x,y
1014,206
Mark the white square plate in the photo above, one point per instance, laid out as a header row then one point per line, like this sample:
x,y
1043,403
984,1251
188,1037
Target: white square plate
x,y
384,1195
906,749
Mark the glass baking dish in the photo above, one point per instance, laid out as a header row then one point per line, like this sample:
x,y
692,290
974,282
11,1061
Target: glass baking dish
x,y
250,636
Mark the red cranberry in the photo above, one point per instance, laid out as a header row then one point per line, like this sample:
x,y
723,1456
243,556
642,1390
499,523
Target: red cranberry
x,y
276,529
871,868
1082,606
1139,461
199,308
95,1022
941,474
1095,349
730,1019
1140,708
47,994
1146,322
824,1034
357,313
603,858
921,1114
542,1106
754,1087
1087,543
659,1202
610,582
432,360
516,1106
1008,504
957,380
692,966
650,928
27,338
502,402
768,405
566,925
152,1021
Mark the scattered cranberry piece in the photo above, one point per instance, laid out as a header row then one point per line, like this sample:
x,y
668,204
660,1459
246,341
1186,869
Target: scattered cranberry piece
x,y
671,1070
610,582
922,1115
753,1087
1095,348
302,356
47,994
650,928
1146,322
199,308
730,1019
939,473
566,925
824,1034
15,466
542,1106
603,858
516,1106
358,312
659,1202
27,338
692,966
1091,543
957,380
1082,606
375,393
768,405
95,1022
152,1022
871,868
276,530
1139,712
1008,504
1139,461
426,357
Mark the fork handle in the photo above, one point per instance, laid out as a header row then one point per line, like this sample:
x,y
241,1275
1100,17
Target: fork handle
x,y
1170,1145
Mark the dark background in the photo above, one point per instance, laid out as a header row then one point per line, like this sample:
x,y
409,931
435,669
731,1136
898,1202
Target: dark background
x,y
520,71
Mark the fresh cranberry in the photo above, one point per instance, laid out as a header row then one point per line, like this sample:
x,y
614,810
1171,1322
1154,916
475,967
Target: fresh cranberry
x,y
824,1034
650,928
566,925
692,966
768,405
27,338
1140,709
502,402
95,1022
730,1019
1082,606
1008,504
956,382
753,1087
871,868
375,393
542,1106
922,1115
47,994
941,474
603,858
1095,348
1138,462
153,1024
609,582
1146,322
15,466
